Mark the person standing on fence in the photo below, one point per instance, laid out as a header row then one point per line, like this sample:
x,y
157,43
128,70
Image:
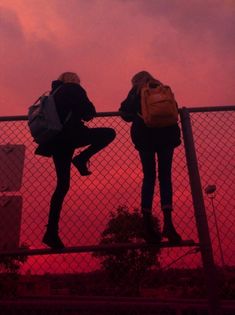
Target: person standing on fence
x,y
152,141
71,101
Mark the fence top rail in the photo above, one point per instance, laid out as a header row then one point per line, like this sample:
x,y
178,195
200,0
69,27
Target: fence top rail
x,y
25,117
209,108
116,113
95,248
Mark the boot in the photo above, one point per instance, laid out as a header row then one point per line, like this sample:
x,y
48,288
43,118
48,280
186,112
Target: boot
x,y
52,239
150,235
81,165
169,230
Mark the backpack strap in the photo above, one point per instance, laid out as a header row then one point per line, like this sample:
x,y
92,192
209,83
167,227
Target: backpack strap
x,y
143,91
38,99
67,118
57,89
70,113
45,93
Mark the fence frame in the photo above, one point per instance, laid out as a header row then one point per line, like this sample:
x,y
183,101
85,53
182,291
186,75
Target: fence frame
x,y
204,245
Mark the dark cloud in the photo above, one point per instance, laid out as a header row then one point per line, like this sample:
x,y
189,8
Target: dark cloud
x,y
10,26
107,41
23,62
199,20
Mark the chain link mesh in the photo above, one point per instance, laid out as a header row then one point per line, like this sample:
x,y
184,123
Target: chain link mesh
x,y
214,141
116,180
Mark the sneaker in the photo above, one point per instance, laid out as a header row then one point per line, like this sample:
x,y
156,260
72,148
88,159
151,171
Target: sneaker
x,y
81,165
170,233
53,240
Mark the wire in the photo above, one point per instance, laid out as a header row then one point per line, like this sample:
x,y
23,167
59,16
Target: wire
x,y
189,252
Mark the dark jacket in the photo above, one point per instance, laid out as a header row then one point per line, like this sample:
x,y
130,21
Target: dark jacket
x,y
143,137
72,98
71,101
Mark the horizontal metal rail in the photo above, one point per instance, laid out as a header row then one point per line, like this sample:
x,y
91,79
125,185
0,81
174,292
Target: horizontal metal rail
x,y
209,109
116,113
125,304
25,117
94,248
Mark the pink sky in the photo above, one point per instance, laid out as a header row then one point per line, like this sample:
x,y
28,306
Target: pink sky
x,y
189,44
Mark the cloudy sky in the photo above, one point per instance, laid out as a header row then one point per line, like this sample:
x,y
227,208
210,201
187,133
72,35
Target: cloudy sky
x,y
190,44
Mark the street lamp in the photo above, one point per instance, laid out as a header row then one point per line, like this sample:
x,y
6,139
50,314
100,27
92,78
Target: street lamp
x,y
210,191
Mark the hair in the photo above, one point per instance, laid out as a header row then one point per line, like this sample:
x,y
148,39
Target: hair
x,y
141,78
69,77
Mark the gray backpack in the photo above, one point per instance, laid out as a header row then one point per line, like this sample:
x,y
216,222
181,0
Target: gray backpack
x,y
43,119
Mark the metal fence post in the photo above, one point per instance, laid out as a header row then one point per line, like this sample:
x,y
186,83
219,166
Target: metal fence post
x,y
200,214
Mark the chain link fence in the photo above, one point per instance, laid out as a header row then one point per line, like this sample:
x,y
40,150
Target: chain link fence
x,y
115,182
214,140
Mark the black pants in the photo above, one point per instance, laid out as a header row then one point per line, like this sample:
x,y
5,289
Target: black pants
x,y
97,139
164,157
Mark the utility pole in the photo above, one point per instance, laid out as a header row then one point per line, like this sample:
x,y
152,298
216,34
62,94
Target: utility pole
x,y
210,191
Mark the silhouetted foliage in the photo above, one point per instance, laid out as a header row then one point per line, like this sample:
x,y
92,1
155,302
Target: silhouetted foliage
x,y
9,273
126,267
11,264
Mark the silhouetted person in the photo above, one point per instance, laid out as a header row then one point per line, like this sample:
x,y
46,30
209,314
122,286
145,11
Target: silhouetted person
x,y
151,142
74,108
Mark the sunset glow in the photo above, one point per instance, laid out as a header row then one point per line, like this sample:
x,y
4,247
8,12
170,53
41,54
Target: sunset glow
x,y
188,44
86,226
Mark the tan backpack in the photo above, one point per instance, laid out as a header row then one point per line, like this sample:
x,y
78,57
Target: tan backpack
x,y
158,106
